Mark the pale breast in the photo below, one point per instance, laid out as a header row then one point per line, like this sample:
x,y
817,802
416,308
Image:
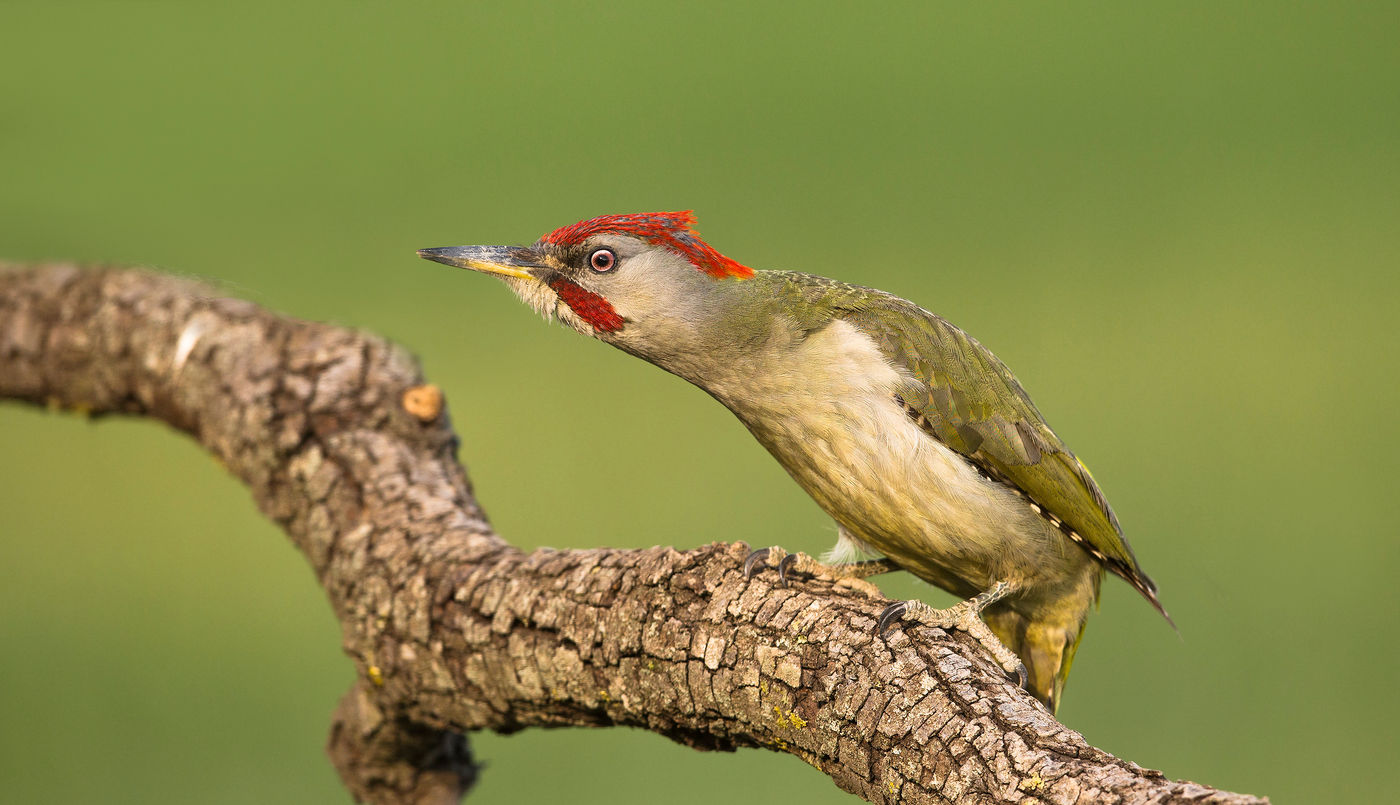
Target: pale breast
x,y
830,419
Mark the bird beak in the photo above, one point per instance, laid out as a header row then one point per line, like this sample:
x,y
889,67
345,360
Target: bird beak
x,y
504,261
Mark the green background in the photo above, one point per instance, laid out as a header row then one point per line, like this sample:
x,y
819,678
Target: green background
x,y
1177,224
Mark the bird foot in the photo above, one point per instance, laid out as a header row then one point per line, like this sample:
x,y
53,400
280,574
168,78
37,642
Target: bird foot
x,y
779,557
966,617
850,575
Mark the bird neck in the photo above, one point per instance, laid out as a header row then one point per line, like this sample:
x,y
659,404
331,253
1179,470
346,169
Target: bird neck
x,y
740,331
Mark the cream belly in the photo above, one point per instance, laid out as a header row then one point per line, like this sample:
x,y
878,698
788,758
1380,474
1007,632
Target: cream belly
x,y
889,485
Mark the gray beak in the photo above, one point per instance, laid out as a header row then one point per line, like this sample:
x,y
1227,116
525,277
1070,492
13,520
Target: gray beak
x,y
504,261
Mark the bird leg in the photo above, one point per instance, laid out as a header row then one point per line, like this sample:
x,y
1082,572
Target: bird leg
x,y
966,616
802,563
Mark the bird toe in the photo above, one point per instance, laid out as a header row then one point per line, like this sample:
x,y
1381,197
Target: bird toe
x,y
755,560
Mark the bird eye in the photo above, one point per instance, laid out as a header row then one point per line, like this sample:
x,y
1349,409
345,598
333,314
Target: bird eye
x,y
602,260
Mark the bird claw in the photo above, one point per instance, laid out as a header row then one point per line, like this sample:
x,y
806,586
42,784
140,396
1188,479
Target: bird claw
x,y
964,617
760,559
892,613
784,567
788,563
757,558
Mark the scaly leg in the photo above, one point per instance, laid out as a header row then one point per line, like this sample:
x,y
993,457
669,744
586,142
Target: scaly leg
x,y
802,563
966,616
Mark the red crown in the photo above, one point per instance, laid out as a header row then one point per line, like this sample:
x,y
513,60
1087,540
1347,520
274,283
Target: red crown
x,y
672,230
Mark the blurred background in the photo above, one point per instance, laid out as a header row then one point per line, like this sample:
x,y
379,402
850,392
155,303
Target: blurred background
x,y
1177,225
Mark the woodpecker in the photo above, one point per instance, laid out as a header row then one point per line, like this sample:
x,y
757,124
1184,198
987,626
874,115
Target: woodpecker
x,y
913,436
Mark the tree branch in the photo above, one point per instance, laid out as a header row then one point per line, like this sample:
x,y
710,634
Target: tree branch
x,y
453,630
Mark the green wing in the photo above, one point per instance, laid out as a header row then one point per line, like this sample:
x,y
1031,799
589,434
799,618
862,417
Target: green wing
x,y
967,399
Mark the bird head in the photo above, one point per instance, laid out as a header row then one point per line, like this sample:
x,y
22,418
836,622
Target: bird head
x,y
644,282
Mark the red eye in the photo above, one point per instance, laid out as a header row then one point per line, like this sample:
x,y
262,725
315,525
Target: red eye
x,y
602,260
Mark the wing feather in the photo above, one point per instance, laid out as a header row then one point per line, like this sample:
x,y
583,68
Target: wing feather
x,y
965,397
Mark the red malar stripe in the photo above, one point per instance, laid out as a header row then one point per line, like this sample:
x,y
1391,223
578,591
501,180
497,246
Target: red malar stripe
x,y
589,306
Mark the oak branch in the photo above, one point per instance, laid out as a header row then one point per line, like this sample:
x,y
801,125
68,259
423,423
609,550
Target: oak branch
x,y
344,445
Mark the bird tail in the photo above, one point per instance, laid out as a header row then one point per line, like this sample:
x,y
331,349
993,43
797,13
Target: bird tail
x,y
1045,643
1066,662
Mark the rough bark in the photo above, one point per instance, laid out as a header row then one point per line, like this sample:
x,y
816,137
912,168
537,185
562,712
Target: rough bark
x,y
343,444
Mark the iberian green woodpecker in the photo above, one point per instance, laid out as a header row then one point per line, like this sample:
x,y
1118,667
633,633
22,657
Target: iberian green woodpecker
x,y
913,436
